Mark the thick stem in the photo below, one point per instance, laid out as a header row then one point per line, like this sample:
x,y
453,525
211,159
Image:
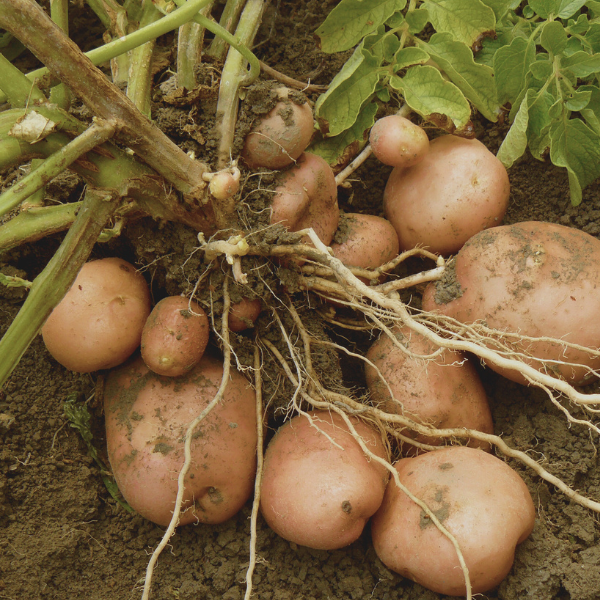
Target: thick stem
x,y
112,15
65,60
189,50
18,90
231,80
54,281
140,76
59,13
36,223
229,17
98,133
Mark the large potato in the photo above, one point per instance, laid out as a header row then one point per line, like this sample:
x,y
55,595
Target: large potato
x,y
99,322
456,190
536,279
316,494
146,419
445,392
477,497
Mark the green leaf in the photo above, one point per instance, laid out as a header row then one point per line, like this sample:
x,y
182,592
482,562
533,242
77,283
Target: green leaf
x,y
538,129
429,94
592,37
466,20
396,20
410,56
332,149
351,20
554,37
417,19
383,94
501,7
515,142
511,65
578,100
475,81
594,7
591,113
541,69
577,148
338,108
581,64
559,8
578,27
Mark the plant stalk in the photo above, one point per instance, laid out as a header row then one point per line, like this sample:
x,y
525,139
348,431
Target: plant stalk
x,y
231,13
59,13
18,90
56,163
189,50
50,286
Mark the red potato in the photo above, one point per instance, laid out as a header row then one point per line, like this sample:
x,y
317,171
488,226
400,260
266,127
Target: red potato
x,y
146,420
369,242
243,314
306,196
315,494
477,497
282,135
174,339
536,279
98,324
398,142
457,190
445,392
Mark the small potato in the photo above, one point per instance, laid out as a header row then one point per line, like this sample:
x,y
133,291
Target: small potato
x,y
477,498
174,339
99,322
282,135
398,142
306,196
315,494
243,314
445,392
146,420
457,190
369,241
533,278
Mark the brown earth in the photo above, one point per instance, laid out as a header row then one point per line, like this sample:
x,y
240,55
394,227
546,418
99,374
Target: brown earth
x,y
63,536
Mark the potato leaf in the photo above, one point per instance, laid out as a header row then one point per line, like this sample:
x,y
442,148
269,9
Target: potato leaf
x,y
511,65
554,37
430,95
331,149
410,56
466,20
351,20
558,8
338,108
582,64
515,142
576,147
475,81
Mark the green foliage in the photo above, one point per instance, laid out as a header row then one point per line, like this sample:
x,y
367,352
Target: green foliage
x,y
539,59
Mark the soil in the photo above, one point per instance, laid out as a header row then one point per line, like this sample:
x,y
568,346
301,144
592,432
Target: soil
x,y
62,535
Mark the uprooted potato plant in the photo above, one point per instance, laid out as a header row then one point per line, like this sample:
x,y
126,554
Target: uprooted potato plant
x,y
133,170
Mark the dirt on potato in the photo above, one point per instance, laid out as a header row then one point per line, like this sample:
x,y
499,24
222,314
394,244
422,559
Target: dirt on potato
x,y
62,535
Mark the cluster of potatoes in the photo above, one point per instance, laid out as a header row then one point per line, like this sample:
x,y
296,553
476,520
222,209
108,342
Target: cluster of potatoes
x,y
319,487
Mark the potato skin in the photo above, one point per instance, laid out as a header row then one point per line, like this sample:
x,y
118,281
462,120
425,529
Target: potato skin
x,y
281,136
146,419
398,142
370,242
477,497
535,278
174,339
243,314
445,392
315,494
306,196
98,324
457,190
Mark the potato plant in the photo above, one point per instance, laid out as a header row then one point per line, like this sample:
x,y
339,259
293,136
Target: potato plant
x,y
274,261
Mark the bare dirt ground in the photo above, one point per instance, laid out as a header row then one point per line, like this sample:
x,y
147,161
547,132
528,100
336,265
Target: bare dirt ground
x,y
63,536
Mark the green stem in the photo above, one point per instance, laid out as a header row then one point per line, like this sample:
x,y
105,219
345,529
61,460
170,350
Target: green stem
x,y
140,76
231,13
97,134
189,50
50,286
231,80
11,14
37,198
18,90
112,15
59,13
137,132
236,42
36,223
